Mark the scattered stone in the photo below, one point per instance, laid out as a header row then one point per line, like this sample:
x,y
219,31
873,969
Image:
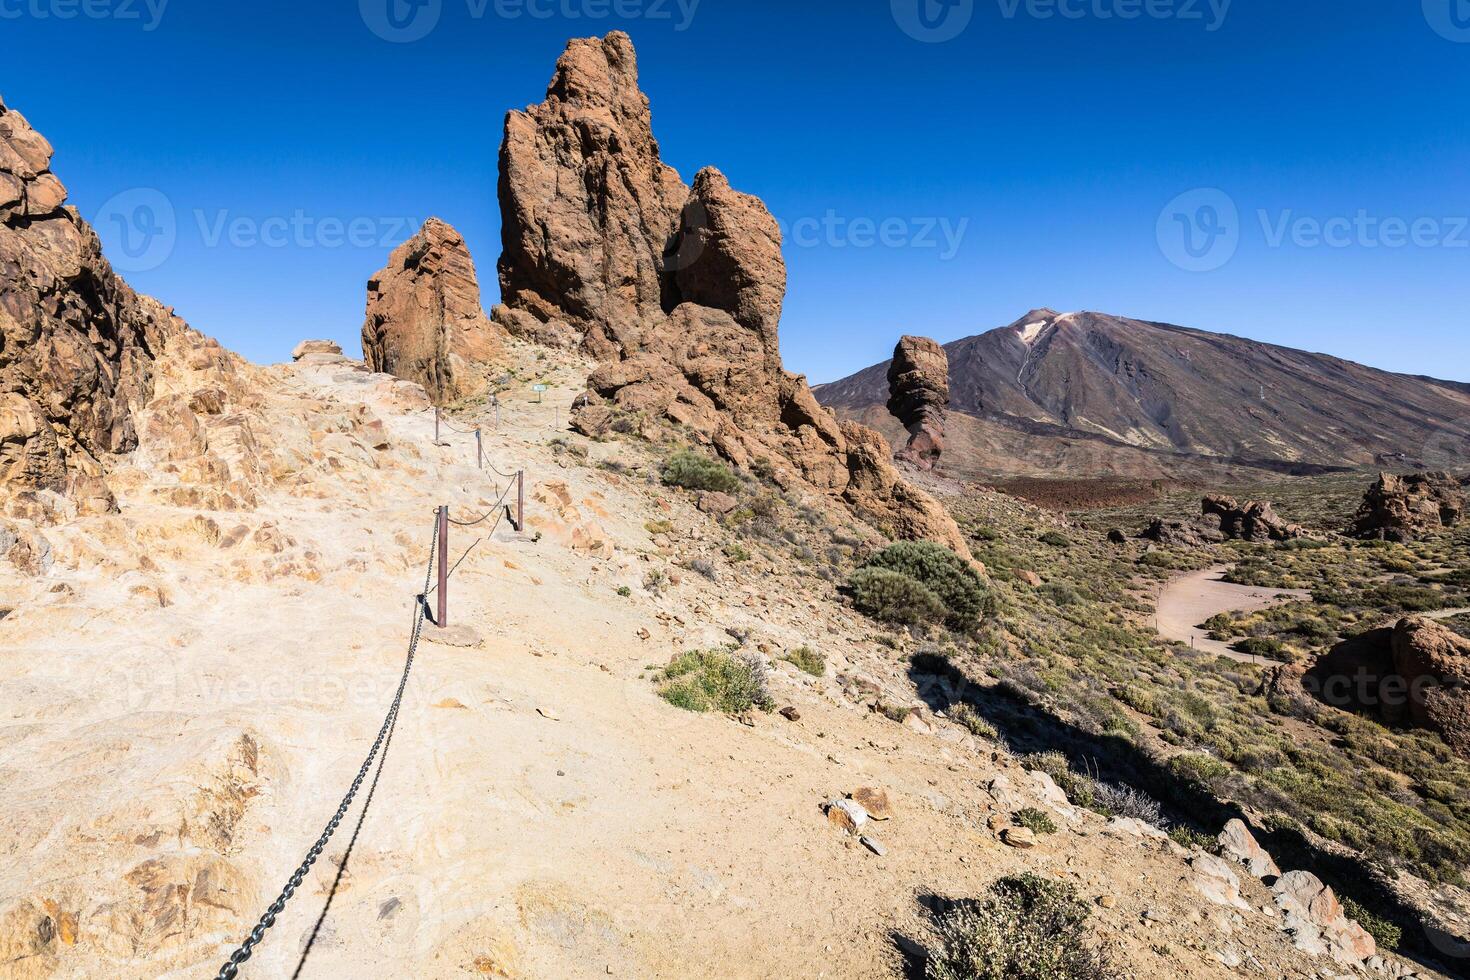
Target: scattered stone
x,y
998,822
873,845
1133,827
875,801
1107,901
1239,845
790,713
1214,880
1030,578
1019,837
1116,536
847,815
717,503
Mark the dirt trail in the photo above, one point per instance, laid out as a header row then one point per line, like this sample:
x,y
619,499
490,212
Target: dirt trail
x,y
1188,600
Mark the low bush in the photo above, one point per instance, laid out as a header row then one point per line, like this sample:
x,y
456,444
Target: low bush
x,y
692,471
1122,800
945,574
716,680
1056,539
1387,934
965,715
1027,928
893,597
807,660
1035,821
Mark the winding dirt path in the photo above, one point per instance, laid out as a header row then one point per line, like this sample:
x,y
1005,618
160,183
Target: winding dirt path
x,y
1187,601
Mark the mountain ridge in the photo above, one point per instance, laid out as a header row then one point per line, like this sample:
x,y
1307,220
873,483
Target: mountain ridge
x,y
1157,387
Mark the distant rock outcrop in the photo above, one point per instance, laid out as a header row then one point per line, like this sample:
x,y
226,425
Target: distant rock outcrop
x,y
424,319
677,291
1250,520
918,393
77,345
1415,674
1399,508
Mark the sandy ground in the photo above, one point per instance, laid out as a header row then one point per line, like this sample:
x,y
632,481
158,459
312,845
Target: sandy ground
x,y
1188,600
181,717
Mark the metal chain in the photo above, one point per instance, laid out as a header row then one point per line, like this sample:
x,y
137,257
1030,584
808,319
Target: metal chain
x,y
231,968
482,518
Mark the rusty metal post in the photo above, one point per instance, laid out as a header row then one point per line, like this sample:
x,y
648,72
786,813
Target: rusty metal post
x,y
436,425
520,499
443,616
479,450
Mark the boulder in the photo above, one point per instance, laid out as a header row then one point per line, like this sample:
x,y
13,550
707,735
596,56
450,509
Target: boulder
x,y
424,320
77,346
1214,880
1183,534
318,347
1400,508
918,394
676,291
1239,845
1314,917
847,815
1251,520
1415,674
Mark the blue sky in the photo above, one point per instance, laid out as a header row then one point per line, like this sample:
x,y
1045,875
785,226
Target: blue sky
x,y
1292,172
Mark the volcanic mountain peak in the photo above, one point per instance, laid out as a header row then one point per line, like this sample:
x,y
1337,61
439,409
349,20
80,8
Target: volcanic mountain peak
x,y
1179,395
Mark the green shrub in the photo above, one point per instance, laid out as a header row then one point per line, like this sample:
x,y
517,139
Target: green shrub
x,y
895,712
965,714
893,597
735,552
807,660
948,576
1189,838
1035,821
692,471
716,680
1387,934
1056,539
1200,770
1260,646
1027,928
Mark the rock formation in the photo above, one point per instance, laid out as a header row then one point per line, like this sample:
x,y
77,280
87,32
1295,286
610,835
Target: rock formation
x,y
424,319
1415,674
1399,508
676,290
77,345
1250,520
1182,534
1314,917
918,393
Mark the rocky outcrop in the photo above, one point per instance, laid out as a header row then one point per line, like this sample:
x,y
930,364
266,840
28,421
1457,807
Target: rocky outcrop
x,y
1415,674
918,393
1434,662
1182,534
1314,917
676,290
1400,508
1250,520
588,209
77,345
424,319
1238,844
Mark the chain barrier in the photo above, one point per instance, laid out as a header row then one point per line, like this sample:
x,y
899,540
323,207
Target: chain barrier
x,y
231,967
